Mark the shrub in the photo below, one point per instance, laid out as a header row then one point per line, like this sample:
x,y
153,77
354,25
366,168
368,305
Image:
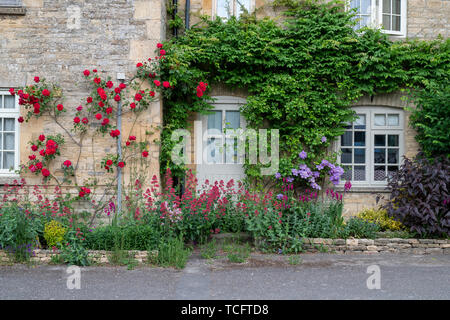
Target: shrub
x,y
74,252
419,196
381,218
54,233
19,231
172,253
359,228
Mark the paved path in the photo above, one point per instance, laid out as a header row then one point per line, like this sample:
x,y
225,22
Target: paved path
x,y
318,276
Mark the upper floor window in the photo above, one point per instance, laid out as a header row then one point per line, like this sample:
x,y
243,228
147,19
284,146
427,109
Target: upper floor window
x,y
228,8
390,15
11,3
372,145
9,133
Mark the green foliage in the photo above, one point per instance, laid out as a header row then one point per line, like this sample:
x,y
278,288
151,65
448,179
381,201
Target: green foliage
x,y
431,119
172,253
381,218
301,75
54,233
359,228
74,251
19,231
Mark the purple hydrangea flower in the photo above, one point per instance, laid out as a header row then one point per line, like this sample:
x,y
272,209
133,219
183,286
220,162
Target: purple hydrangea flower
x,y
303,155
277,175
290,179
324,139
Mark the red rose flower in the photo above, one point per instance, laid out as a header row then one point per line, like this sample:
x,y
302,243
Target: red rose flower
x,y
121,164
45,172
95,70
108,110
159,45
137,97
45,92
138,65
162,52
199,92
81,194
76,120
110,84
132,138
103,97
11,91
34,147
42,152
166,84
157,83
89,99
132,105
145,154
41,137
36,79
39,165
86,72
114,133
122,86
32,157
20,119
85,120
117,98
101,104
152,93
60,107
67,163
98,116
105,121
79,108
109,162
117,90
127,143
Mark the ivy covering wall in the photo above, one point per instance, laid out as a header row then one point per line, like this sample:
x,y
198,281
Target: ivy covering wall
x,y
302,73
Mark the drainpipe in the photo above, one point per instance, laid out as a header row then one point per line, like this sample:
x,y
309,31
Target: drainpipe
x,y
121,78
175,10
186,13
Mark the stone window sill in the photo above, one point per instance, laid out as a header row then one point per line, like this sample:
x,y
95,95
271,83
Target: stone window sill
x,y
13,11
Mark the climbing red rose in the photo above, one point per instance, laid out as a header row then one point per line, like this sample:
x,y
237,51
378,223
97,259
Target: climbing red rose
x,y
85,120
89,99
105,121
108,110
117,97
86,72
11,91
132,138
166,84
157,83
114,133
41,137
45,172
109,162
121,164
132,105
122,85
159,45
76,120
110,84
45,92
98,116
51,147
138,65
145,154
67,163
162,52
60,107
137,97
36,79
20,119
34,147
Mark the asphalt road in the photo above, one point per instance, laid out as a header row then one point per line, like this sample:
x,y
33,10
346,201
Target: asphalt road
x,y
317,276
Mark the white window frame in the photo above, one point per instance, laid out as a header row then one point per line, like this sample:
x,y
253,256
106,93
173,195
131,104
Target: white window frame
x,y
376,20
11,113
235,9
11,3
371,131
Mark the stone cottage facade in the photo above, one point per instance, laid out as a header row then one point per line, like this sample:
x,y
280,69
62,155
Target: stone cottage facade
x,y
58,39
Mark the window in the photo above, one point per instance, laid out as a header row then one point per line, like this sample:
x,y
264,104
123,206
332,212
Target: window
x,y
390,15
9,133
11,3
227,8
371,146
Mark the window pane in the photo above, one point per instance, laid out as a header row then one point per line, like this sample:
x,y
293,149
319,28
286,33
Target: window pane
x,y
8,141
347,173
346,156
1,124
365,6
360,138
380,140
380,120
354,4
364,22
346,139
215,120
392,170
1,101
1,141
386,22
10,2
231,151
8,160
380,155
393,120
395,23
396,6
232,119
386,6
10,124
393,156
224,8
213,151
241,5
9,102
360,173
393,140
360,155
360,123
379,173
